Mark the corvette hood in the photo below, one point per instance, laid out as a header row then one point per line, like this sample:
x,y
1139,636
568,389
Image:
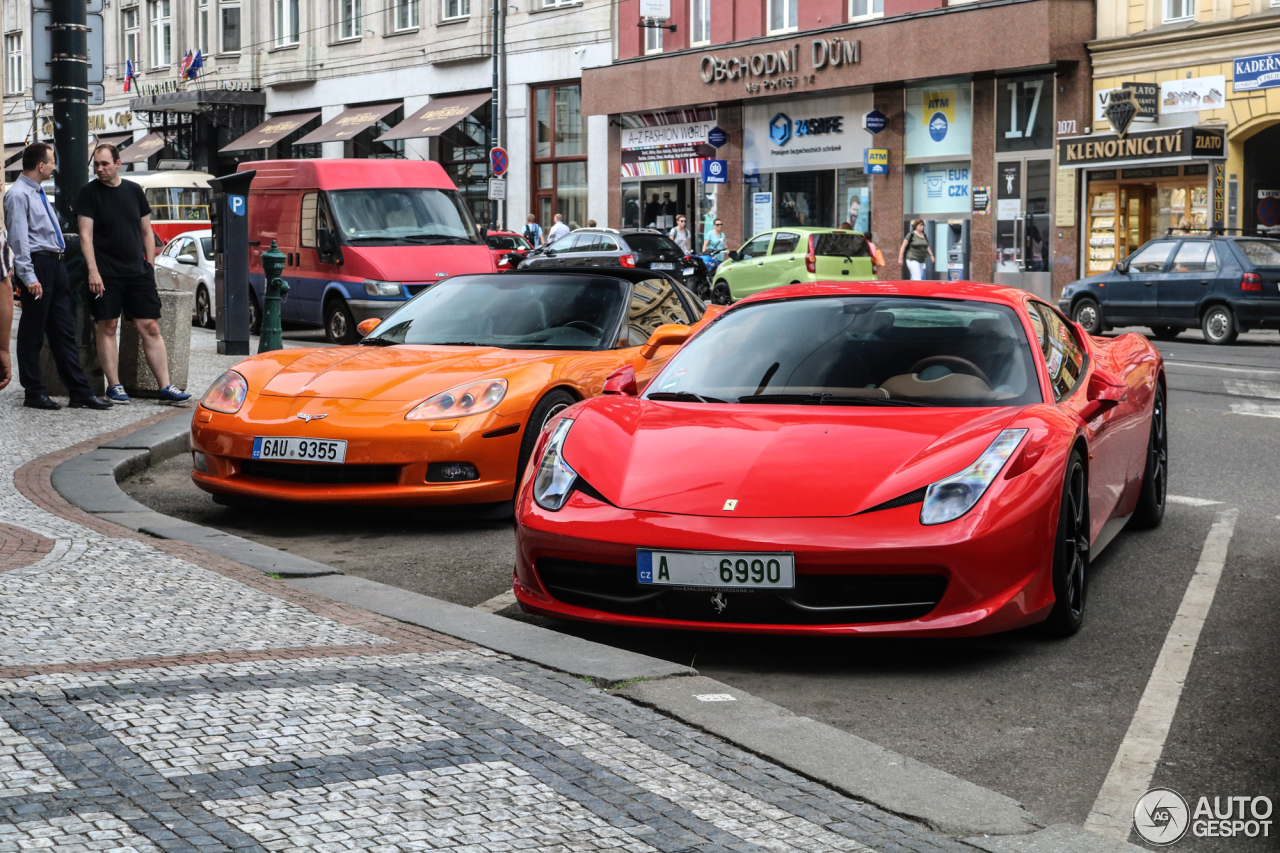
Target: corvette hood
x,y
390,373
775,461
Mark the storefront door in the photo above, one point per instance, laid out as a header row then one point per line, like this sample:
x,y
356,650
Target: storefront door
x,y
1023,206
657,203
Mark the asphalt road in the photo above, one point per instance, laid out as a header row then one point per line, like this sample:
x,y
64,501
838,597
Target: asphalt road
x,y
1038,720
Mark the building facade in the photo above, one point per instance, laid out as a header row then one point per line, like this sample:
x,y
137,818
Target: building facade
x,y
871,112
1204,75
343,78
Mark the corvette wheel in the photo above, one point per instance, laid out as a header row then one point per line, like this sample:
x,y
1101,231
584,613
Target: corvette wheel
x,y
1089,316
1155,477
1218,325
548,407
1071,553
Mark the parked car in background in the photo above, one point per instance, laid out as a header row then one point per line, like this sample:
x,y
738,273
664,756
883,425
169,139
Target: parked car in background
x,y
508,249
1224,285
639,248
179,200
186,263
792,256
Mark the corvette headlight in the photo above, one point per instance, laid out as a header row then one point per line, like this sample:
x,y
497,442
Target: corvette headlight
x,y
950,498
554,481
470,399
226,394
374,287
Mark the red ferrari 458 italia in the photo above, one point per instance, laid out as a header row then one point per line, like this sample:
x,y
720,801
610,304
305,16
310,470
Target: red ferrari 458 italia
x,y
876,458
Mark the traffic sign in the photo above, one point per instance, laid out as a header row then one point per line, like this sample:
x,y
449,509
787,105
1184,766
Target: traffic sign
x,y
42,93
90,6
497,189
717,137
236,204
42,48
715,171
875,121
498,162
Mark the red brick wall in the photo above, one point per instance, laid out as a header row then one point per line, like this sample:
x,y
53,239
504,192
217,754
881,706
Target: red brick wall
x,y
886,190
982,229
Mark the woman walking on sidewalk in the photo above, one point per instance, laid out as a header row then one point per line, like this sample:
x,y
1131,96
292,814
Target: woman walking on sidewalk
x,y
916,249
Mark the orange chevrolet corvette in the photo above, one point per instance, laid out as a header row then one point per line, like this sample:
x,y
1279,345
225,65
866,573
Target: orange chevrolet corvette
x,y
443,401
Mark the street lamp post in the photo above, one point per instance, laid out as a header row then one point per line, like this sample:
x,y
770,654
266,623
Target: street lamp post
x,y
493,103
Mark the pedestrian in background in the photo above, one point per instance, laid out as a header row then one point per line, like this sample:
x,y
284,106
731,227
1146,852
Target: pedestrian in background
x,y
915,248
533,232
6,308
877,257
115,236
680,235
44,289
558,229
713,245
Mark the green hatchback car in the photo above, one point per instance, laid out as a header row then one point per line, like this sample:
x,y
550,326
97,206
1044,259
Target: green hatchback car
x,y
791,256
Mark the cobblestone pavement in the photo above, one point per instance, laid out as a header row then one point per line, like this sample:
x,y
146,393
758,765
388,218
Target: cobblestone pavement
x,y
154,697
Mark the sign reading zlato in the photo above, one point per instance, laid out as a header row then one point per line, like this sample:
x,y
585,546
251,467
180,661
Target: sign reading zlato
x,y
780,69
1181,143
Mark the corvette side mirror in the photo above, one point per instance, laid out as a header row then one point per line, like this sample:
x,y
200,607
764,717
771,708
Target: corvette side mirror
x,y
622,381
364,327
1104,393
665,335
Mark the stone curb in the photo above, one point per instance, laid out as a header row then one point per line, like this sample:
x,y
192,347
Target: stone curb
x,y
946,804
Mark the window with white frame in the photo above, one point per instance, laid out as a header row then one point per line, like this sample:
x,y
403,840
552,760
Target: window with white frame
x,y
130,30
1179,10
13,80
161,32
348,19
202,27
404,16
865,9
230,33
699,21
783,15
284,22
653,39
551,4
455,9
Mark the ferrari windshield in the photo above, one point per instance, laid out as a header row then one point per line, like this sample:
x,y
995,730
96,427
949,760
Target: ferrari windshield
x,y
512,311
404,215
857,350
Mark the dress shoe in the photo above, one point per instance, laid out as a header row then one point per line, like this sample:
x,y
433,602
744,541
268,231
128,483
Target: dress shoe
x,y
90,403
41,402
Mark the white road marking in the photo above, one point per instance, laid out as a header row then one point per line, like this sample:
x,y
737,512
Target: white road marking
x,y
1260,410
498,602
1186,501
714,697
1135,762
1252,388
1268,371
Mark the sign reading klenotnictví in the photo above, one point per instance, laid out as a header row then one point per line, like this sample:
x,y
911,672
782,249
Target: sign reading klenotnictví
x,y
1251,73
1175,143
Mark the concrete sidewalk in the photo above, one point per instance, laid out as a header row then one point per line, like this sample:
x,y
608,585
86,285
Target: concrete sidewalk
x,y
156,694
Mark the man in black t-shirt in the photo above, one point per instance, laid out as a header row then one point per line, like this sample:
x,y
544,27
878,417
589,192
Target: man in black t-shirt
x,y
115,235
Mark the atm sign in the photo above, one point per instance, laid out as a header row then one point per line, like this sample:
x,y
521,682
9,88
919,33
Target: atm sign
x,y
875,161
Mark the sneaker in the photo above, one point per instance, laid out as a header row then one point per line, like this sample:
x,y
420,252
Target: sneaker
x,y
115,393
170,394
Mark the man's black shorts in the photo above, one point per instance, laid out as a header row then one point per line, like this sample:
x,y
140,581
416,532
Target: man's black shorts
x,y
135,295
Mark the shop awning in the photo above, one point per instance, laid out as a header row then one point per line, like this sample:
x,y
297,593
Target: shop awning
x,y
119,140
270,132
436,117
348,124
11,151
139,151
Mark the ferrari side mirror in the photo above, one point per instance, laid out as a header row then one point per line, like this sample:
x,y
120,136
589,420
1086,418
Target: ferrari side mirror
x,y
665,335
364,327
622,381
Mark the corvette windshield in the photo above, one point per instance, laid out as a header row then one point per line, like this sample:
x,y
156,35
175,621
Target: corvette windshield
x,y
512,311
857,351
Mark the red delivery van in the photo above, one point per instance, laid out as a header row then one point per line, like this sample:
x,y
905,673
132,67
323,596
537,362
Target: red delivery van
x,y
360,237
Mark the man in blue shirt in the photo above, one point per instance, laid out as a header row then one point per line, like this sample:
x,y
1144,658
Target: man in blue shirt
x,y
36,239
533,232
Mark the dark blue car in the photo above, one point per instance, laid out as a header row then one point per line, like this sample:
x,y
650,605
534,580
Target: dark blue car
x,y
1223,285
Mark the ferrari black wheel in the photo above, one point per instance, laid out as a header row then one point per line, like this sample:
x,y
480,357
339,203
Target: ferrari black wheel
x,y
1166,333
1089,315
1071,553
548,407
1155,477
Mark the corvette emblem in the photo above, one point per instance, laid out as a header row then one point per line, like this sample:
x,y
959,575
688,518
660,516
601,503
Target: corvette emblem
x,y
303,416
730,505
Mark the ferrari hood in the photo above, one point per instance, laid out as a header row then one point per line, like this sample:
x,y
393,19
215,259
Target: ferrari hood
x,y
774,461
390,373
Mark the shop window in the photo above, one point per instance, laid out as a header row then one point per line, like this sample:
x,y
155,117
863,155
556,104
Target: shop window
x,y
202,27
1024,113
404,15
13,79
364,145
783,15
853,197
455,9
700,22
229,17
284,16
1179,10
348,18
559,154
158,15
860,9
464,153
805,199
130,27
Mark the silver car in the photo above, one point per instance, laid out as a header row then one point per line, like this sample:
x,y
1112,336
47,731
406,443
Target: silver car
x,y
186,263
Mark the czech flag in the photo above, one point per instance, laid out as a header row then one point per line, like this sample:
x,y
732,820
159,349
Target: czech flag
x,y
194,65
128,75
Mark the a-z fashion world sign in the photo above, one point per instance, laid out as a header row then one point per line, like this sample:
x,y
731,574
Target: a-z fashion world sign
x,y
785,68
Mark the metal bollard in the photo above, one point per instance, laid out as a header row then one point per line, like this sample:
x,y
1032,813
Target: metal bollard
x,y
273,261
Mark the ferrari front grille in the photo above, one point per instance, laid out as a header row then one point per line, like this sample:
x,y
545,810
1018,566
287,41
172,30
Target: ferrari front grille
x,y
328,475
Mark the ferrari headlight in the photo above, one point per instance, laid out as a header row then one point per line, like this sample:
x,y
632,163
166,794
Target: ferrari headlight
x,y
950,498
374,287
470,399
554,481
226,394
